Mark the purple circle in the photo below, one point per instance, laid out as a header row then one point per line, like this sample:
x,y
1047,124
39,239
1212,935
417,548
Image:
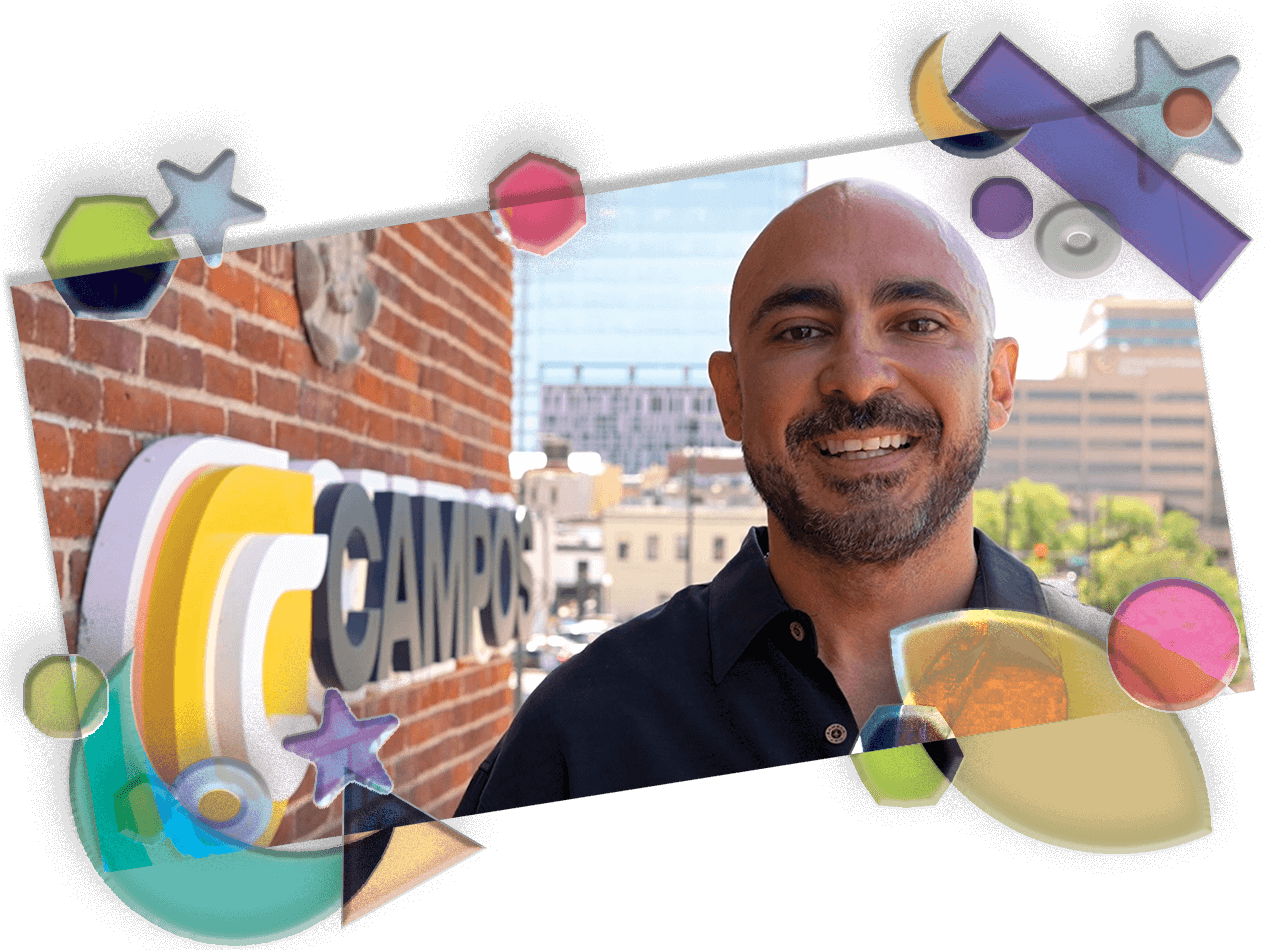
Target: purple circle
x,y
1002,207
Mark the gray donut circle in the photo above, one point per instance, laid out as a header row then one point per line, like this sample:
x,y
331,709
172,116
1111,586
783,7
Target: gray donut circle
x,y
255,809
1078,239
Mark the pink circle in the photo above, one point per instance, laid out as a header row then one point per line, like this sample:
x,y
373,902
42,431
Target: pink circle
x,y
1173,644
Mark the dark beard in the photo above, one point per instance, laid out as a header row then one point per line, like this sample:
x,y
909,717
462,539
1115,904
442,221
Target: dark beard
x,y
883,533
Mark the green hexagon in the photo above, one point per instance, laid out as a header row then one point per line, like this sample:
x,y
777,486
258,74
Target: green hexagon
x,y
103,233
905,776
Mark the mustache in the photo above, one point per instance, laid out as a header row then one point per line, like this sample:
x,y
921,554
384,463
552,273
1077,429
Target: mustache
x,y
885,411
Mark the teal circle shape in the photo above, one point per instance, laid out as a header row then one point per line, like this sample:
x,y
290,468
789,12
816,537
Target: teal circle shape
x,y
248,895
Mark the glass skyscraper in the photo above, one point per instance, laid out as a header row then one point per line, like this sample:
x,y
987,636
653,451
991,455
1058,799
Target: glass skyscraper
x,y
640,295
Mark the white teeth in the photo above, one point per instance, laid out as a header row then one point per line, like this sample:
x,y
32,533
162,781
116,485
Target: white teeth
x,y
864,449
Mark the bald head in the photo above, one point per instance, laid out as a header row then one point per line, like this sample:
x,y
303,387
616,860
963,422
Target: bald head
x,y
852,217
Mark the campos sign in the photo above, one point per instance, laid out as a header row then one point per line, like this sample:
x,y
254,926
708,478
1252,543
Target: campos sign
x,y
231,574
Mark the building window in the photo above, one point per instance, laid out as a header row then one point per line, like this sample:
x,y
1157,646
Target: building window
x,y
1115,420
1119,397
720,547
1106,467
1005,441
1052,394
680,547
654,544
623,550
1177,421
1187,446
1053,443
1114,444
654,404
1180,397
1176,468
1058,420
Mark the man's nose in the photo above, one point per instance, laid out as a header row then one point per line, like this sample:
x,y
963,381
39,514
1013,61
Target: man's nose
x,y
859,367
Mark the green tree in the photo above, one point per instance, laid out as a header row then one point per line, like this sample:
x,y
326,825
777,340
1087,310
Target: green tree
x,y
1036,513
1118,570
1122,519
989,514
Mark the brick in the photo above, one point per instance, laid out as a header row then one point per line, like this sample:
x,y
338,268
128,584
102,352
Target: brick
x,y
128,406
42,322
196,418
405,368
228,379
76,567
52,447
298,358
236,287
57,573
191,270
56,388
71,512
214,326
100,455
279,306
278,260
167,312
249,255
249,428
108,344
299,441
171,363
70,620
336,448
350,417
280,395
368,386
318,405
256,343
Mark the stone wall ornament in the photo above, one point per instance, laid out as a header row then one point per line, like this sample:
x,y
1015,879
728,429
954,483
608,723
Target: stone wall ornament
x,y
337,298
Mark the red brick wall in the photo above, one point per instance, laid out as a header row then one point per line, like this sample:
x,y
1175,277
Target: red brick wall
x,y
224,353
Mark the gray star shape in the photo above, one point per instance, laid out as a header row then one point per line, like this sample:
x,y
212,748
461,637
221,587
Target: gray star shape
x,y
1138,113
204,205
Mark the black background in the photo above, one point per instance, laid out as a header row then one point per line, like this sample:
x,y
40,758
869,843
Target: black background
x,y
395,123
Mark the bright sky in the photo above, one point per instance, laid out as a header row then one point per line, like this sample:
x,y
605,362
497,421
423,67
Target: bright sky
x,y
1042,310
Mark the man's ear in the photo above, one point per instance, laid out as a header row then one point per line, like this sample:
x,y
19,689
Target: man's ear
x,y
1004,370
722,373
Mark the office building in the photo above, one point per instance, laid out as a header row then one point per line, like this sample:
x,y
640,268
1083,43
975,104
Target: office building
x,y
633,426
646,283
1129,415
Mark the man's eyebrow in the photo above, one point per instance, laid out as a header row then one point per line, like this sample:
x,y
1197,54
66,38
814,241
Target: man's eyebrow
x,y
906,290
817,296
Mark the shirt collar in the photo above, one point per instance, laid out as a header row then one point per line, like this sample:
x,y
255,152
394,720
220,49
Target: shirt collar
x,y
743,597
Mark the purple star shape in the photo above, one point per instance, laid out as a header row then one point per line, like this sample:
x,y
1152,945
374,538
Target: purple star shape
x,y
344,749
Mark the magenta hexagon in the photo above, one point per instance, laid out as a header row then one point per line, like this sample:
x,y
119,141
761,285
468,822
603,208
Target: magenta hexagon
x,y
540,201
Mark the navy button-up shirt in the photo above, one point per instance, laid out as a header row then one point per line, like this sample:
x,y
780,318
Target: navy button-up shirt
x,y
723,677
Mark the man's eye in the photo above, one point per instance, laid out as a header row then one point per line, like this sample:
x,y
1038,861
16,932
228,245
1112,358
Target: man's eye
x,y
922,325
798,334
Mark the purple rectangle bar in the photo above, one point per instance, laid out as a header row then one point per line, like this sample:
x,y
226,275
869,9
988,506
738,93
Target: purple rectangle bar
x,y
1083,153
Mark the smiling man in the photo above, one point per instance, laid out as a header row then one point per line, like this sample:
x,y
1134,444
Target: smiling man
x,y
862,382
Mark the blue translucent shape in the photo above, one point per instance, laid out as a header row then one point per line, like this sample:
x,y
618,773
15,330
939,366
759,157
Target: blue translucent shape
x,y
1084,154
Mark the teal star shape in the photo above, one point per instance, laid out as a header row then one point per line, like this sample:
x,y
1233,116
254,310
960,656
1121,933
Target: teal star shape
x,y
1138,113
204,205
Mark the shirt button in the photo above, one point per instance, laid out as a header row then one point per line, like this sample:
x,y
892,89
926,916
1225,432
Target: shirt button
x,y
796,630
836,733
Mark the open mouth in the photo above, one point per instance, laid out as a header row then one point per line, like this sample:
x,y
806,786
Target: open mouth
x,y
857,449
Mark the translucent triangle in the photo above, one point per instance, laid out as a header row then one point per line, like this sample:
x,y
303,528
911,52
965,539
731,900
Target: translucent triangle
x,y
383,865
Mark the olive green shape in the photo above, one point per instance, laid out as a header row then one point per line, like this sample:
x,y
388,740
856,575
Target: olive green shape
x,y
137,813
904,776
65,697
104,233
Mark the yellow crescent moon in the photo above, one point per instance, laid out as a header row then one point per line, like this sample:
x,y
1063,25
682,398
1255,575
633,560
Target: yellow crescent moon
x,y
935,112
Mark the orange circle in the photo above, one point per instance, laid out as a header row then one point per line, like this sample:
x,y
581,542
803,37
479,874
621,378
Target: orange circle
x,y
1187,112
